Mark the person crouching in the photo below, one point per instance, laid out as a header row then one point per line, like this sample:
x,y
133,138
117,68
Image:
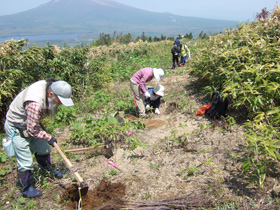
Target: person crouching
x,y
154,99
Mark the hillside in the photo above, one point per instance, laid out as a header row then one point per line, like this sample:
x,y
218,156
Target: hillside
x,y
185,160
183,156
93,17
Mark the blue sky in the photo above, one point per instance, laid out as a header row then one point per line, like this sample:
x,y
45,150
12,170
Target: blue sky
x,y
239,10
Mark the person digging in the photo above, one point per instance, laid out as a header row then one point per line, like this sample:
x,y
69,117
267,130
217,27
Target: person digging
x,y
22,126
138,86
154,100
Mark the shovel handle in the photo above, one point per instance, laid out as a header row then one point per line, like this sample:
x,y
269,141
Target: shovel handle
x,y
84,149
68,164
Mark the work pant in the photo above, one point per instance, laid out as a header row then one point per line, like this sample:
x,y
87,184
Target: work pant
x,y
24,147
155,104
139,98
175,59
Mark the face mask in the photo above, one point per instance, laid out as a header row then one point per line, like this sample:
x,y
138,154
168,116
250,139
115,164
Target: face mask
x,y
52,106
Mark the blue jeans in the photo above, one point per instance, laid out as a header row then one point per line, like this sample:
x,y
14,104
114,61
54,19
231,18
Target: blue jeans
x,y
183,59
24,147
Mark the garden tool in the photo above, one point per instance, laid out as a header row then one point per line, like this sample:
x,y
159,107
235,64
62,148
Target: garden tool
x,y
87,149
108,150
83,185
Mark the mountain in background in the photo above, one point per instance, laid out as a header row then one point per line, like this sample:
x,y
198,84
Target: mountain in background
x,y
93,17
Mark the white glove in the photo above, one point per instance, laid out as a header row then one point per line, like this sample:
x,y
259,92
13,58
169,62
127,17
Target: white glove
x,y
147,106
157,111
147,94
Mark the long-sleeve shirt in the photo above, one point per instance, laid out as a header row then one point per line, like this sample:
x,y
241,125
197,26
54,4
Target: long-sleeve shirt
x,y
175,50
34,113
185,51
154,99
153,96
143,76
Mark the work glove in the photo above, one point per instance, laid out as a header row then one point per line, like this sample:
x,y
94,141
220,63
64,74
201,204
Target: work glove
x,y
51,141
147,94
157,111
147,106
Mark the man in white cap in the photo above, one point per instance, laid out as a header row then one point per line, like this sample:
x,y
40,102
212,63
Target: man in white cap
x,y
154,101
138,85
22,126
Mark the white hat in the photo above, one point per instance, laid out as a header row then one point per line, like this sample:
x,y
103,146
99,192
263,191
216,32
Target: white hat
x,y
63,91
159,90
158,73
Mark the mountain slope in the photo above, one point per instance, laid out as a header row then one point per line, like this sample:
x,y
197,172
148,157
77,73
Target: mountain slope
x,y
96,16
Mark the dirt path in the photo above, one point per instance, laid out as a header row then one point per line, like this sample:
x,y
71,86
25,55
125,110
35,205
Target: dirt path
x,y
183,153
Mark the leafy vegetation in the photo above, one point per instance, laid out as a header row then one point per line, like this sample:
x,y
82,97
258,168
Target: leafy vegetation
x,y
243,65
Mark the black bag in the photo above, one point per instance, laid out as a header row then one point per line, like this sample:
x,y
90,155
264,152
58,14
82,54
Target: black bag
x,y
218,107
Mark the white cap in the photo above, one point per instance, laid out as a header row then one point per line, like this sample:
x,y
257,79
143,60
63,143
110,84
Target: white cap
x,y
159,90
158,73
63,91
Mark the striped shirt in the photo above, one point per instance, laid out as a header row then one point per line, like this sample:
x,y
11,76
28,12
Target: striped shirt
x,y
34,113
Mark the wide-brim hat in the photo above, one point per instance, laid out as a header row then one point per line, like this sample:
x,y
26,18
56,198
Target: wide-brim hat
x,y
159,90
158,73
63,91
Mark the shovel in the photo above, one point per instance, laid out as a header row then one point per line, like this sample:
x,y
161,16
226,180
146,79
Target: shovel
x,y
83,185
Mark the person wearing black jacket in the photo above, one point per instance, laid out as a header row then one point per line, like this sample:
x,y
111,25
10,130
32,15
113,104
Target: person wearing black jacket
x,y
175,56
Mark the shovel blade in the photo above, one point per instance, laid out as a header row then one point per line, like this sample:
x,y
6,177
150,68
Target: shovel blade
x,y
80,191
84,188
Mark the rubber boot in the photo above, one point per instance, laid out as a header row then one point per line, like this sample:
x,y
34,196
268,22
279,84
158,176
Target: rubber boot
x,y
45,163
24,179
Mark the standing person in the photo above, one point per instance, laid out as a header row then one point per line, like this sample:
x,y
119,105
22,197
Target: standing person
x,y
175,55
185,51
154,101
35,102
177,42
138,85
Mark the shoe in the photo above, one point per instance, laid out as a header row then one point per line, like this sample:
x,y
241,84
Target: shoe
x,y
58,174
31,192
45,163
24,179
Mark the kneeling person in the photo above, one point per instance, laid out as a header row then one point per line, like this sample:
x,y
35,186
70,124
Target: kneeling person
x,y
154,99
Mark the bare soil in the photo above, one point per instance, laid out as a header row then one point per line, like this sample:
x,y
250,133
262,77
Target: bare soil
x,y
187,162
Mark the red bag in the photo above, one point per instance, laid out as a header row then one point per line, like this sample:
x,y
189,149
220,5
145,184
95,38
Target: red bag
x,y
202,110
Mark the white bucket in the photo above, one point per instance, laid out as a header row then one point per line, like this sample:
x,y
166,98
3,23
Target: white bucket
x,y
8,146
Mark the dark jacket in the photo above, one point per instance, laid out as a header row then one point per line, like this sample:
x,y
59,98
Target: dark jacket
x,y
175,50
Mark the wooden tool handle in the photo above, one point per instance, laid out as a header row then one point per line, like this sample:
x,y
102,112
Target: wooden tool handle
x,y
68,163
84,149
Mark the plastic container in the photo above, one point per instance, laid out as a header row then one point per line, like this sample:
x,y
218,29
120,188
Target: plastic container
x,y
8,146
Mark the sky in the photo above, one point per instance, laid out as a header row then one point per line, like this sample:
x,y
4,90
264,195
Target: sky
x,y
237,10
